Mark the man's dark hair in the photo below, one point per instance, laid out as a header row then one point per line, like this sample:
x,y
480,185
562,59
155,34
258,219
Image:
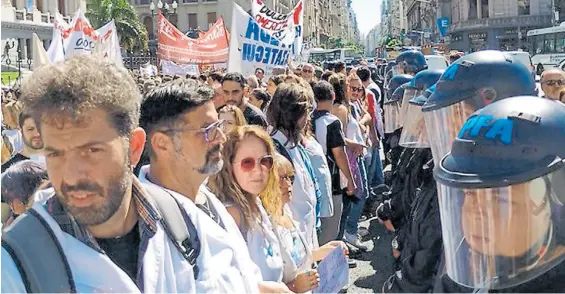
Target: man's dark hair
x,y
21,180
339,66
326,75
259,69
323,91
66,91
289,104
163,106
22,118
235,77
262,95
217,77
339,82
364,73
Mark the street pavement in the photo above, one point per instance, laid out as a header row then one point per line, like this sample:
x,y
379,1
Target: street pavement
x,y
373,266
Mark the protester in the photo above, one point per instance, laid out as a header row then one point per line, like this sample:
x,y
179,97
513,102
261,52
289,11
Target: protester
x,y
340,68
260,99
288,115
274,82
235,90
307,72
232,116
88,117
19,182
33,143
260,74
185,139
553,84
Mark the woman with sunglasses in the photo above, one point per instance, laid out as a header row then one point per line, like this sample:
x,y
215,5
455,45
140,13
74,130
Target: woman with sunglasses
x,y
296,254
249,189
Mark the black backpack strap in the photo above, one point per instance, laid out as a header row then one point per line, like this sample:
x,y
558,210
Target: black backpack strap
x,y
282,151
178,225
39,257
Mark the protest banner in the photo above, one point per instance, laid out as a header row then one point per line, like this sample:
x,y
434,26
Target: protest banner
x,y
334,272
171,68
175,46
287,28
253,47
82,38
108,44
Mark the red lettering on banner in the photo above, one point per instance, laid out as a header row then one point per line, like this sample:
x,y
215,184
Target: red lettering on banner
x,y
211,47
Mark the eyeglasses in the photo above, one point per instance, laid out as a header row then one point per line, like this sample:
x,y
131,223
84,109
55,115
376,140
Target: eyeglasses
x,y
307,71
210,132
249,163
288,178
552,83
356,89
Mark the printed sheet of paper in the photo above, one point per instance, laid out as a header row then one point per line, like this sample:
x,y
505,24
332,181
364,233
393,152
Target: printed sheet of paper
x,y
334,272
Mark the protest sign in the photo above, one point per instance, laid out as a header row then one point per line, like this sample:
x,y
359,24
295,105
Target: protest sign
x,y
253,47
108,44
287,28
171,68
212,47
82,38
333,271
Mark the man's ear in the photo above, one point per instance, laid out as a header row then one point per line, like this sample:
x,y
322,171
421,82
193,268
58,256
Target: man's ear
x,y
136,145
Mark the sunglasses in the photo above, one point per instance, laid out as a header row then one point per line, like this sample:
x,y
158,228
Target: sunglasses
x,y
307,71
356,89
288,178
552,83
249,163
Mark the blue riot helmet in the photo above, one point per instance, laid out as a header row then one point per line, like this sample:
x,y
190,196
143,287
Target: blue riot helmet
x,y
395,82
419,84
470,83
502,213
411,62
414,132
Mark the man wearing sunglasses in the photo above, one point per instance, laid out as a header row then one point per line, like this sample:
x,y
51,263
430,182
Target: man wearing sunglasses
x,y
184,142
308,72
553,84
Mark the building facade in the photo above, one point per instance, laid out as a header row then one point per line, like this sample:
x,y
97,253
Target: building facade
x,y
22,18
495,24
421,19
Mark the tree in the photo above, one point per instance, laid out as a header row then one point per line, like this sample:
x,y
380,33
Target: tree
x,y
131,31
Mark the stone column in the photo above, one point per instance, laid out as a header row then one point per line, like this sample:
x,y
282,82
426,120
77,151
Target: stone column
x,y
479,10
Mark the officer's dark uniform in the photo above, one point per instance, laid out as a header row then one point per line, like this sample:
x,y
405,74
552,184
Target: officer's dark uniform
x,y
508,162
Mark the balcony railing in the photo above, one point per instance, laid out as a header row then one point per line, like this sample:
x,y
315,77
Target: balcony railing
x,y
514,21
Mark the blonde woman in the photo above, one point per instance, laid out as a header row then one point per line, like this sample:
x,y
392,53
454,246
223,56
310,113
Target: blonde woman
x,y
233,117
296,254
248,187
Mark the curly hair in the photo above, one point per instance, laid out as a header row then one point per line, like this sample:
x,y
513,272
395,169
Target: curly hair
x,y
290,103
66,91
226,188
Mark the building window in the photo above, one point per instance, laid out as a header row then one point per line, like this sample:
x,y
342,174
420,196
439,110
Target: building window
x,y
173,18
560,43
484,9
523,7
549,43
148,23
192,21
211,18
189,1
144,2
472,9
62,7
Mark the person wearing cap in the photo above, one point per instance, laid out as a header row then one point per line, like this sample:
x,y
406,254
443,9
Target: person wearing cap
x,y
502,208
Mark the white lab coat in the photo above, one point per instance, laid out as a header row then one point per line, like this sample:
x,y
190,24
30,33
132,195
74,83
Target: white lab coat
x,y
303,202
224,261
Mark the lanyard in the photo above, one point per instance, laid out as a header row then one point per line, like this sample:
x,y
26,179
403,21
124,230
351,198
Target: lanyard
x,y
308,164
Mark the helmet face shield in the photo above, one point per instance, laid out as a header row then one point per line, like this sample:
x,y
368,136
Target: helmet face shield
x,y
501,237
443,125
409,94
393,120
414,133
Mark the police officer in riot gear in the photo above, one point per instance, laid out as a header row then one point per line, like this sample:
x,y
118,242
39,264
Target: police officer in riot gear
x,y
411,62
392,123
502,201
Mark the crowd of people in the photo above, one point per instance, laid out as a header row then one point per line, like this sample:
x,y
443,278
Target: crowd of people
x,y
116,182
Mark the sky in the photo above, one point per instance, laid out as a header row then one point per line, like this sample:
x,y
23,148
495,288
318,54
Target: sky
x,y
368,14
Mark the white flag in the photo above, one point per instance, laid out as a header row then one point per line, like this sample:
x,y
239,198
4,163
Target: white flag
x,y
82,38
39,54
61,31
108,44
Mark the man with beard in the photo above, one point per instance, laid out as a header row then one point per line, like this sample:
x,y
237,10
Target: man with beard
x,y
105,224
31,139
184,142
235,90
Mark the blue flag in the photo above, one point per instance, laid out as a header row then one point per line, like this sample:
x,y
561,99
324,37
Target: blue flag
x,y
443,25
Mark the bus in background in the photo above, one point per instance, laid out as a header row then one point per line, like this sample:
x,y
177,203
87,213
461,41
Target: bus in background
x,y
320,55
547,47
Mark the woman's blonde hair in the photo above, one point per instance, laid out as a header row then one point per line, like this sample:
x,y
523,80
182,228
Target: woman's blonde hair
x,y
237,114
282,164
226,188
